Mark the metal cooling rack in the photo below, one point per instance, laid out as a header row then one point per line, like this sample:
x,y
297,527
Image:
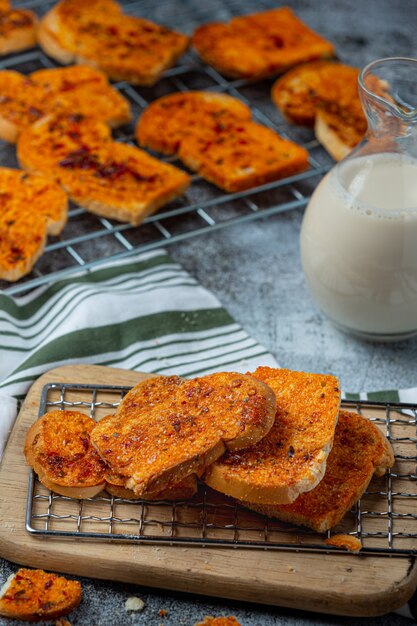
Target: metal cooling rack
x,y
88,240
385,519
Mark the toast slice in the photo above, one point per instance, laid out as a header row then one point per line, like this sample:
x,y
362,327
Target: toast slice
x,y
167,428
105,177
32,595
184,490
17,29
259,45
340,128
239,155
77,89
360,451
32,207
97,33
291,459
184,114
59,449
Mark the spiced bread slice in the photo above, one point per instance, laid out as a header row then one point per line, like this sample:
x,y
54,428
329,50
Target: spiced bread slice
x,y
17,29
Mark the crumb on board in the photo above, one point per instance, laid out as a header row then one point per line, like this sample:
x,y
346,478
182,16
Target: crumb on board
x,y
219,621
162,613
134,604
62,622
352,544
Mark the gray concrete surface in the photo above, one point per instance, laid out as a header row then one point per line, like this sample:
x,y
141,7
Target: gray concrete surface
x,y
255,271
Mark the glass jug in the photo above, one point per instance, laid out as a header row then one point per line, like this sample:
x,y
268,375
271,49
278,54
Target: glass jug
x,y
359,232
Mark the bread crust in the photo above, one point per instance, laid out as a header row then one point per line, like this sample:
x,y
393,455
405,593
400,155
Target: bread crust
x,y
31,208
58,448
99,34
291,458
167,428
34,595
259,45
360,451
17,30
184,490
105,177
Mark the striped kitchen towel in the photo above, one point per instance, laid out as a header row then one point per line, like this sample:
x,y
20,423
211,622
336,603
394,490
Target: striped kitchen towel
x,y
145,313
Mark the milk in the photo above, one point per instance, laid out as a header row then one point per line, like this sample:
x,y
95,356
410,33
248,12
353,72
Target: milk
x,y
359,245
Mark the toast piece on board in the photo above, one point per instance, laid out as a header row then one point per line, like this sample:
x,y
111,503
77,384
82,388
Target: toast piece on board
x,y
97,33
239,155
259,45
105,177
77,89
17,29
167,428
359,452
184,490
32,595
291,459
184,114
32,206
59,449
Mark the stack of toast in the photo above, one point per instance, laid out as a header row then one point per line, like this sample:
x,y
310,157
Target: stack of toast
x,y
274,440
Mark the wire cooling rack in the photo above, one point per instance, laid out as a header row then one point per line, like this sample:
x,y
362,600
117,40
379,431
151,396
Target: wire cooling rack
x,y
385,519
89,240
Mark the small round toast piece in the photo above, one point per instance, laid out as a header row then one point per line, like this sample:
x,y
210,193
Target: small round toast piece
x,y
34,595
184,490
181,114
167,428
59,449
17,29
32,206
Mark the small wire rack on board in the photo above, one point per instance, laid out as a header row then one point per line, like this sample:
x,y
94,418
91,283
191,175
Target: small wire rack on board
x,y
88,240
385,519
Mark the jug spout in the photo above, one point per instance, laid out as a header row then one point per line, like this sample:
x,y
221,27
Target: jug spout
x,y
388,93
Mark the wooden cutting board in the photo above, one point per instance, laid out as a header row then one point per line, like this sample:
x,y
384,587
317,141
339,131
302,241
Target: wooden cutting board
x,y
329,583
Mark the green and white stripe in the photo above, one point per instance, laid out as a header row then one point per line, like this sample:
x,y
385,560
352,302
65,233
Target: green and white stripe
x,y
144,314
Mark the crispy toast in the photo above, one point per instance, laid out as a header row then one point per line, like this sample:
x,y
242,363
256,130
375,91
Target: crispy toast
x,y
17,29
359,452
105,177
59,449
182,114
185,489
34,595
77,89
239,155
97,33
167,428
32,207
259,45
291,459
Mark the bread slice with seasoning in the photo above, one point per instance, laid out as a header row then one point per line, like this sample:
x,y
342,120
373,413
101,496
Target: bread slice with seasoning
x,y
183,114
17,29
184,490
32,207
59,449
259,45
167,428
98,33
291,458
360,451
105,177
76,89
33,595
239,155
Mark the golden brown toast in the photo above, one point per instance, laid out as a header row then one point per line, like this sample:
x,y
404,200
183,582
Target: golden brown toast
x,y
32,207
359,452
219,621
59,449
239,155
105,177
167,428
34,595
97,33
291,458
17,29
184,114
340,128
185,489
76,89
259,45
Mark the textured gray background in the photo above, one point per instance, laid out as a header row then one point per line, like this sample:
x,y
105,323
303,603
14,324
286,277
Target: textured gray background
x,y
255,271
